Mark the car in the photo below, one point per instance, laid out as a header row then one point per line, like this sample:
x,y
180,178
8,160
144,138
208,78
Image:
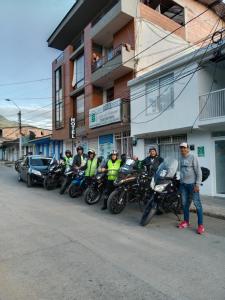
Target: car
x,y
33,169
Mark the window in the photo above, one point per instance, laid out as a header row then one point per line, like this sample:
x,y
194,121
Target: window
x,y
168,8
79,108
160,94
58,99
78,72
110,94
80,104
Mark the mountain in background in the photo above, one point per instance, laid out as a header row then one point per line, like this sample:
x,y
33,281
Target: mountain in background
x,y
7,123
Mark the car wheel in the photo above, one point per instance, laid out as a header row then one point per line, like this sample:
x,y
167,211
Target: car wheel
x,y
29,181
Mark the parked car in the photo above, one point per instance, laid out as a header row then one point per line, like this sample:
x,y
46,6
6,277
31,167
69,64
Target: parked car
x,y
33,169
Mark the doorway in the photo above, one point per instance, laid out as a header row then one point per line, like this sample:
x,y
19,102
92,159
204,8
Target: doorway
x,y
220,166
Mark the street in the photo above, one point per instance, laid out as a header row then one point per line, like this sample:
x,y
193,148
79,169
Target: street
x,y
55,247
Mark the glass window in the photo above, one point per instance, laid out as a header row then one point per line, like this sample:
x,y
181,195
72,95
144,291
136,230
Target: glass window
x,y
80,104
58,99
160,94
78,72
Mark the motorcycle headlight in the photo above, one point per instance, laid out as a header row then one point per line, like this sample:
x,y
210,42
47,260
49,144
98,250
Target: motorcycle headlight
x,y
160,187
36,172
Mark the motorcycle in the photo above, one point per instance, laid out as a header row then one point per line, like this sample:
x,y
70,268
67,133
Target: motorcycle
x,y
54,177
69,175
95,191
78,185
131,186
165,196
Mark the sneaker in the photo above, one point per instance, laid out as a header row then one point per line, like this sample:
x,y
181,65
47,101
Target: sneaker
x,y
200,229
183,225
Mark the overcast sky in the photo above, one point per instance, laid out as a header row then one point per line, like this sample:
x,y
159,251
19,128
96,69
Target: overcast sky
x,y
25,26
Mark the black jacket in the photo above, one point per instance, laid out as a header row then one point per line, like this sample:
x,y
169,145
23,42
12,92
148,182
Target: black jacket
x,y
152,164
77,160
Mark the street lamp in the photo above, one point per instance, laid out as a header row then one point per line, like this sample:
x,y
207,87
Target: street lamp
x,y
20,125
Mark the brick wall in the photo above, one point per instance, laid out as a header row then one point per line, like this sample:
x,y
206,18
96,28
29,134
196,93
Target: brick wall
x,y
125,35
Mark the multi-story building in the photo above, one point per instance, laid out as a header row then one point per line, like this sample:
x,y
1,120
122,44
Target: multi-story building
x,y
105,44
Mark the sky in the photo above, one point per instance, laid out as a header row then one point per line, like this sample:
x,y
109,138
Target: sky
x,y
25,26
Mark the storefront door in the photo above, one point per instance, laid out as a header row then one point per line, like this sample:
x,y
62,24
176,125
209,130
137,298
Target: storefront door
x,y
220,166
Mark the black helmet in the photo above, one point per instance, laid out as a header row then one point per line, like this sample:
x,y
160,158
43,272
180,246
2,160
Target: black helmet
x,y
91,151
80,148
68,152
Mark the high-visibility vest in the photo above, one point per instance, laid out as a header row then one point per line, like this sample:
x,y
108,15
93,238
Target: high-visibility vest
x,y
68,161
91,167
113,169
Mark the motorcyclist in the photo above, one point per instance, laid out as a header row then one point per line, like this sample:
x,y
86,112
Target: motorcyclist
x,y
152,161
68,158
80,158
112,167
91,166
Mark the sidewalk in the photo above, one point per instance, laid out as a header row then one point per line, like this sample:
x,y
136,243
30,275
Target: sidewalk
x,y
213,207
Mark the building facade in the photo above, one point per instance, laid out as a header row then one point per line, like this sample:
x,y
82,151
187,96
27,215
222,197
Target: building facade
x,y
104,45
185,101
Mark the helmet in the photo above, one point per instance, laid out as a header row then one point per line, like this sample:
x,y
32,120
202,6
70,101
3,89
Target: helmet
x,y
80,148
68,152
115,152
91,151
152,148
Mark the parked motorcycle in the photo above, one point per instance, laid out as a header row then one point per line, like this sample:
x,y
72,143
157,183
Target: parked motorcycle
x,y
95,191
78,185
165,196
131,186
55,176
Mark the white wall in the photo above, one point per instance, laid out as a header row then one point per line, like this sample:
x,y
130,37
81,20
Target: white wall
x,y
139,149
182,115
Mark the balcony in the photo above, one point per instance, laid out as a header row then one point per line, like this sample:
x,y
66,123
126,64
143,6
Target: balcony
x,y
107,69
111,19
212,108
116,111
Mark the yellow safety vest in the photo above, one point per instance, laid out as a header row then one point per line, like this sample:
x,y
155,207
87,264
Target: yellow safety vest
x,y
91,167
113,169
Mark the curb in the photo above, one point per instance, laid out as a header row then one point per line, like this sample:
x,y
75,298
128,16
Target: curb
x,y
211,214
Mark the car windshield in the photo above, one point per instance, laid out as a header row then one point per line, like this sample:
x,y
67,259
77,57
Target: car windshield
x,y
40,162
167,169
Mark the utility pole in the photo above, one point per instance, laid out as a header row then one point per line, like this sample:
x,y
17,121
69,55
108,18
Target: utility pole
x,y
19,125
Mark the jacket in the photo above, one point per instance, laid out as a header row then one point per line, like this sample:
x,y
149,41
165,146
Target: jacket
x,y
152,163
77,161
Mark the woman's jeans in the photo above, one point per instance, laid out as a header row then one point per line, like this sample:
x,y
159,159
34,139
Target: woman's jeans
x,y
188,194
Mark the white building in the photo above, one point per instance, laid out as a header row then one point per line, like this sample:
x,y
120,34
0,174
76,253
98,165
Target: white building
x,y
175,103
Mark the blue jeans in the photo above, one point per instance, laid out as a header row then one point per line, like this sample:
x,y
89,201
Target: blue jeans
x,y
188,194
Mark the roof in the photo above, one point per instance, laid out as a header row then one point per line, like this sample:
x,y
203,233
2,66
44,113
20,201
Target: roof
x,y
83,12
77,18
190,58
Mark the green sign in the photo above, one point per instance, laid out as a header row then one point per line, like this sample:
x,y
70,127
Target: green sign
x,y
201,151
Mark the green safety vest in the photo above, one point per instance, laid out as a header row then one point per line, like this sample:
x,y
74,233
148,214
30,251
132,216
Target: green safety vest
x,y
113,169
68,161
92,165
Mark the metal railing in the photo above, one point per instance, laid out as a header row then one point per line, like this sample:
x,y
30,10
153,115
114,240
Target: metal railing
x,y
212,105
103,60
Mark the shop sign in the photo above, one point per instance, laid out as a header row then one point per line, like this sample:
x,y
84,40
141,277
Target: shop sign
x,y
72,128
105,114
201,151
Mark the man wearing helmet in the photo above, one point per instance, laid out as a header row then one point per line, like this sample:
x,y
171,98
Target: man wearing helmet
x,y
91,165
68,159
112,167
152,161
80,158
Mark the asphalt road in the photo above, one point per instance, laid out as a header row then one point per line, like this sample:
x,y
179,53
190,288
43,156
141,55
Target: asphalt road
x,y
54,247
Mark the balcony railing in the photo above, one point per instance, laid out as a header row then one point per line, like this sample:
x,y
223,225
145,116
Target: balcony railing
x,y
212,105
103,60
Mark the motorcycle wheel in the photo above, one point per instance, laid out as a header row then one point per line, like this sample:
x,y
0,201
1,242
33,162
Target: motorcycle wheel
x,y
91,196
149,212
117,202
47,184
74,191
63,186
19,178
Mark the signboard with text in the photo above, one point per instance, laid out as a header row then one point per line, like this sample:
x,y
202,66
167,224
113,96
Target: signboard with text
x,y
105,114
72,128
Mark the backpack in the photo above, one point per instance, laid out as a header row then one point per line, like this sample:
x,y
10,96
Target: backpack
x,y
205,173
